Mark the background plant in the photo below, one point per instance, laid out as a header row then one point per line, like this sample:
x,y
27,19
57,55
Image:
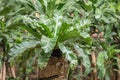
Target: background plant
x,y
31,30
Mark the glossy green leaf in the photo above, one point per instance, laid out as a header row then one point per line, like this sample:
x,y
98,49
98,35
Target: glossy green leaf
x,y
69,55
48,44
44,30
70,34
100,64
19,49
85,58
42,58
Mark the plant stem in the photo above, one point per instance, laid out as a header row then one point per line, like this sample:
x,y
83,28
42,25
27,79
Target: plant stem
x,y
12,69
94,71
3,71
118,73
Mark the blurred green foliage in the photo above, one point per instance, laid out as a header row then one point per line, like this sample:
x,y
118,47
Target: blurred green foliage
x,y
31,29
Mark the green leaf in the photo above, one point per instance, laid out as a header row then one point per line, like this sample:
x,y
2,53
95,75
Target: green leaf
x,y
63,29
48,44
89,41
69,55
44,30
67,5
21,48
70,34
100,59
38,6
85,59
12,78
42,58
100,64
84,34
34,32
